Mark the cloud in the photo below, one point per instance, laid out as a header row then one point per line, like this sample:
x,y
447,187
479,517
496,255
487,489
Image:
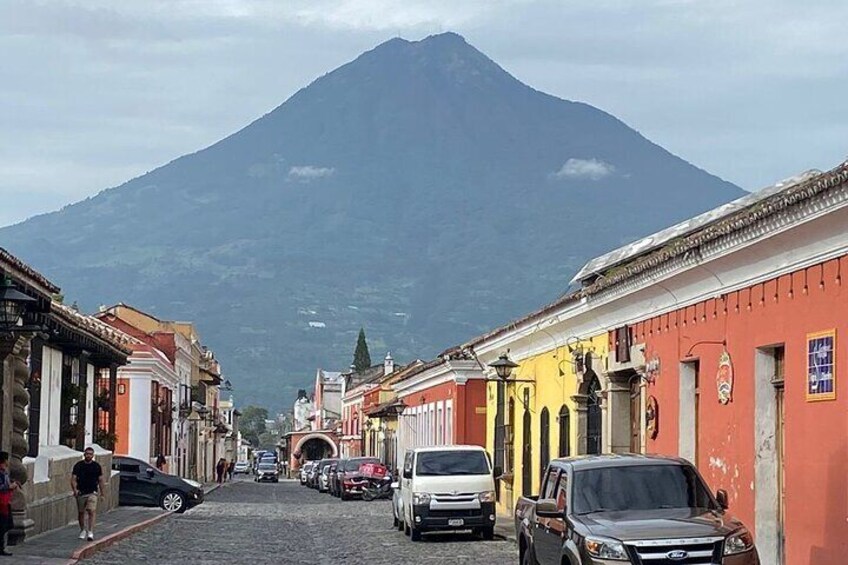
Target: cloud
x,y
309,172
588,169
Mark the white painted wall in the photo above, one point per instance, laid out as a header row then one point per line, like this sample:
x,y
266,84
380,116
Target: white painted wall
x,y
139,444
89,406
51,396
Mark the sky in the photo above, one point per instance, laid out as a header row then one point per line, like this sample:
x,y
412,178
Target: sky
x,y
95,92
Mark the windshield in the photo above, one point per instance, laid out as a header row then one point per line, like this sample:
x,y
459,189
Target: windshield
x,y
642,487
267,467
354,464
435,463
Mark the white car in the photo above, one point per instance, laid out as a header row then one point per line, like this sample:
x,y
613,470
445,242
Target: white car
x,y
448,488
241,468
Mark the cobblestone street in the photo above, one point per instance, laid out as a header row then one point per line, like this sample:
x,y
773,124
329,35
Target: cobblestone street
x,y
245,522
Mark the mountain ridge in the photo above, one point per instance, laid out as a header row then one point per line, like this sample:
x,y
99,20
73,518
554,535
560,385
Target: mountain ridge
x,y
419,190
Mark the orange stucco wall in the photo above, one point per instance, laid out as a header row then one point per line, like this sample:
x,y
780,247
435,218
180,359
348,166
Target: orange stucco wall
x,y
469,427
122,419
782,311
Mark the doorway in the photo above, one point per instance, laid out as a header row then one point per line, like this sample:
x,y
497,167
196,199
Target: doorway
x,y
780,446
635,415
594,437
564,432
544,441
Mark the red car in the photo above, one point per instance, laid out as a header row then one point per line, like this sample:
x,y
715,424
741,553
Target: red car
x,y
350,478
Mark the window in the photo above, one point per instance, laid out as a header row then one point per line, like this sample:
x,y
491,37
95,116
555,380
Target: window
x,y
821,366
564,432
449,423
446,463
132,468
550,485
440,425
562,492
641,487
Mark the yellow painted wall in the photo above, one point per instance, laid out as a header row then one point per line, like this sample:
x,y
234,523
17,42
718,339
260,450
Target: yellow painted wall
x,y
553,384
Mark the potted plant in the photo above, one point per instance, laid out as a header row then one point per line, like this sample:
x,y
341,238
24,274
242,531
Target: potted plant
x,y
105,438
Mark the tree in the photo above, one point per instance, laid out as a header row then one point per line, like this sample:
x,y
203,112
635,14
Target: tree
x,y
252,423
361,357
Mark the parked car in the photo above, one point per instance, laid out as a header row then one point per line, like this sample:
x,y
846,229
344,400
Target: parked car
x,y
312,476
143,485
304,472
267,472
331,476
448,488
324,474
350,480
629,509
397,506
241,468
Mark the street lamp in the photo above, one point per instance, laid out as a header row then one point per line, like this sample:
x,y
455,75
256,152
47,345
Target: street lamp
x,y
13,304
503,366
226,385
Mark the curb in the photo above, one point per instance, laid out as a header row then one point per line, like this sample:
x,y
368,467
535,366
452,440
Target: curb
x,y
103,543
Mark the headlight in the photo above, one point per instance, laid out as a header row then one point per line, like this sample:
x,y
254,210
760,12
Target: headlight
x,y
420,498
488,496
605,548
739,542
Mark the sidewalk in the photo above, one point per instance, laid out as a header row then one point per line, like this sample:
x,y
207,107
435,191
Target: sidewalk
x,y
62,546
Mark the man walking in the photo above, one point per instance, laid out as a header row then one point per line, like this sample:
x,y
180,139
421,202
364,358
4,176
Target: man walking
x,y
88,484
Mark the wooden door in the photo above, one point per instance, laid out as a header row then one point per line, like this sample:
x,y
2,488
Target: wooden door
x,y
635,416
780,440
527,459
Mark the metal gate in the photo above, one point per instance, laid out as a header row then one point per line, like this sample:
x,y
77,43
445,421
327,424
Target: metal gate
x,y
594,439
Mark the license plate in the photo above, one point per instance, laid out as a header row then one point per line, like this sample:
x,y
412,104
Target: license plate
x,y
456,522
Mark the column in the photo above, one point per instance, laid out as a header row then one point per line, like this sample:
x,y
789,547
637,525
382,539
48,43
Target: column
x,y
581,409
14,350
617,413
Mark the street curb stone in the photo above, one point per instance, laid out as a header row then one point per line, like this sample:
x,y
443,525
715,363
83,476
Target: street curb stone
x,y
105,542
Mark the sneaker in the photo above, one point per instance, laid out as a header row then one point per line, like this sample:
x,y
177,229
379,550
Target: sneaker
x,y
83,534
90,536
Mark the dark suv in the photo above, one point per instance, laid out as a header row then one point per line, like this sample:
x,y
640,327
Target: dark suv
x,y
143,485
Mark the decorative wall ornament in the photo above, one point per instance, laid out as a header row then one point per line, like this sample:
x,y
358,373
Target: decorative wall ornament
x,y
652,418
821,366
652,368
724,378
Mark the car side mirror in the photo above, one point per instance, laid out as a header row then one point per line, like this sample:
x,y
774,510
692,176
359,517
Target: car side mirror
x,y
150,473
721,498
547,508
497,471
407,474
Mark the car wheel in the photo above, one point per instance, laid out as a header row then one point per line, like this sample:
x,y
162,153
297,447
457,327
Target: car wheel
x,y
414,534
173,501
344,495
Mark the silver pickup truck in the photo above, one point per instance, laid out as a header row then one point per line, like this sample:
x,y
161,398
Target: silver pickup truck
x,y
616,509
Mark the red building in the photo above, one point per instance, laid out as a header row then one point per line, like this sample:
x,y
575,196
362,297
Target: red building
x,y
737,324
445,404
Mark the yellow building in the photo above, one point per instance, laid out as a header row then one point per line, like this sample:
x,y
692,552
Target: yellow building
x,y
549,408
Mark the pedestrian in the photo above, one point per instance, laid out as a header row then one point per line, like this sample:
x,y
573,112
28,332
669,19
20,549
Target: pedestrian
x,y
7,489
219,470
161,462
88,485
231,469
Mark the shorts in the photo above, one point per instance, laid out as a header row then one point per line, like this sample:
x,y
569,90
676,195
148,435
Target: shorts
x,y
87,502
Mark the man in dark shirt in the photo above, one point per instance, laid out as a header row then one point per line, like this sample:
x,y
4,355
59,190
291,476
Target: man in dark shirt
x,y
87,484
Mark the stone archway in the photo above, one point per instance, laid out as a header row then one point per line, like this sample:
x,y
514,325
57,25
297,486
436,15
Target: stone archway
x,y
316,446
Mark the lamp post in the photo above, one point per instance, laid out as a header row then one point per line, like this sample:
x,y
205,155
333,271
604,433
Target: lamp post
x,y
503,367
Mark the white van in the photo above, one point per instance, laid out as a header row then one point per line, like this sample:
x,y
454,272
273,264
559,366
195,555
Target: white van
x,y
447,488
